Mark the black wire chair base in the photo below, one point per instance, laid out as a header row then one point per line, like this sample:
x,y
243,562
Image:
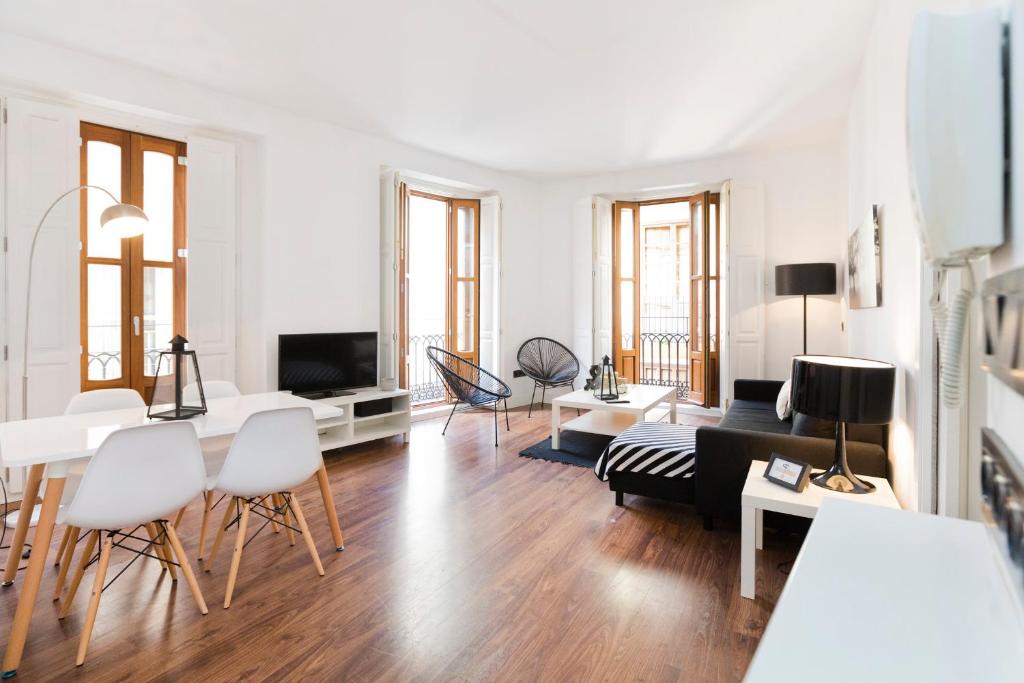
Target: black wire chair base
x,y
470,384
543,389
257,506
160,542
550,364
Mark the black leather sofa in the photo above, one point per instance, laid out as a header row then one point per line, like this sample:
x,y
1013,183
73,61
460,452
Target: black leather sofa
x,y
751,430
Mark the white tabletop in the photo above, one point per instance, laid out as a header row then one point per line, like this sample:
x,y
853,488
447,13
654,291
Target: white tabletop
x,y
69,437
762,494
639,397
884,595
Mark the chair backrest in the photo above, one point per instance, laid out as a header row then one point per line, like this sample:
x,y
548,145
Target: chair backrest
x,y
98,400
138,475
467,381
217,388
547,360
275,450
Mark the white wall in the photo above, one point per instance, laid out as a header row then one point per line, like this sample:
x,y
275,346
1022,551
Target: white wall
x,y
309,213
877,173
803,222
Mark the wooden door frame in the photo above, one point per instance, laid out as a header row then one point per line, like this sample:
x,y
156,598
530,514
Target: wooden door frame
x,y
712,391
132,261
454,279
620,355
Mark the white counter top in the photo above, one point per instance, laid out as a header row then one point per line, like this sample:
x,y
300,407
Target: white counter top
x,y
885,595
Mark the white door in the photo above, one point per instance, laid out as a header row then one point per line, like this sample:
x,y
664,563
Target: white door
x,y
41,156
746,281
490,289
211,256
602,249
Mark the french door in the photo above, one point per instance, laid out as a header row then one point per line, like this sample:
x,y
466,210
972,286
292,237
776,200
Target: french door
x,y
133,291
439,286
665,294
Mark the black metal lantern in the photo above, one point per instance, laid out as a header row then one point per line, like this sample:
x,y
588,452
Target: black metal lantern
x,y
606,387
172,375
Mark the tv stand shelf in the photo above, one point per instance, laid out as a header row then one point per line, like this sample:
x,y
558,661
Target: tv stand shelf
x,y
349,429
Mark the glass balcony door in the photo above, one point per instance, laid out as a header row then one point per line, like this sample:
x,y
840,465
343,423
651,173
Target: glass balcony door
x,y
133,290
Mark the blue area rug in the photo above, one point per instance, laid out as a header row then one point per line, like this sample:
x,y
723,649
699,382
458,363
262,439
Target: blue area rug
x,y
579,449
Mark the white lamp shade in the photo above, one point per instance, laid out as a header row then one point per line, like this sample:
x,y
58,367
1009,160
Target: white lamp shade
x,y
123,220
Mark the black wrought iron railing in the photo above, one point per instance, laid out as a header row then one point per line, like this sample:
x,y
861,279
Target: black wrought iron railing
x,y
109,363
424,384
665,360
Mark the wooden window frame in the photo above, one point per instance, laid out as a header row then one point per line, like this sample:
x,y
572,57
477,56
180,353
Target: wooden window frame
x,y
132,262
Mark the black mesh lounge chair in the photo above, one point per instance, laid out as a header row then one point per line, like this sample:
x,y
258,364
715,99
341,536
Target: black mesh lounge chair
x,y
549,364
469,383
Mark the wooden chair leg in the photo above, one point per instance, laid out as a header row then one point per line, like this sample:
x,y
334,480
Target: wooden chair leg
x,y
90,546
186,568
94,602
63,546
293,502
207,506
236,558
65,562
181,513
220,533
286,518
275,502
160,550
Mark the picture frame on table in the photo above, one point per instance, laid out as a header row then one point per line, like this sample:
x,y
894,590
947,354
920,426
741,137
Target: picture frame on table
x,y
788,472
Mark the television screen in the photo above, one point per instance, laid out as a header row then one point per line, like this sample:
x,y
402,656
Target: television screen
x,y
309,363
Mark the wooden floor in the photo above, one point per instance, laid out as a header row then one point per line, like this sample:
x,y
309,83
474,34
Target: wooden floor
x,y
463,563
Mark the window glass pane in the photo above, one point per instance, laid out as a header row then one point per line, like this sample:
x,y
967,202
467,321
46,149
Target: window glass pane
x,y
465,316
626,244
626,315
698,239
104,321
697,323
103,168
158,203
713,314
157,314
713,239
466,245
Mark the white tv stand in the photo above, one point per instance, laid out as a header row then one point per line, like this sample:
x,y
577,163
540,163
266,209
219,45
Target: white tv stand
x,y
349,429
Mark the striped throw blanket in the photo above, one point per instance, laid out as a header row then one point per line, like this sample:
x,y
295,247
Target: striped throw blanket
x,y
654,448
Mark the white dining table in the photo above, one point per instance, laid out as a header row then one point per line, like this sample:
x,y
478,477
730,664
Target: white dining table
x,y
48,446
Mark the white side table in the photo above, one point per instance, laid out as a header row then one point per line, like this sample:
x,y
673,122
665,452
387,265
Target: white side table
x,y
759,495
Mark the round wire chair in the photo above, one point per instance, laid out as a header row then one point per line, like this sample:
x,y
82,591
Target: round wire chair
x,y
469,383
549,364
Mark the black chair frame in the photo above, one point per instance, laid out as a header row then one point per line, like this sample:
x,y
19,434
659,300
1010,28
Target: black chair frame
x,y
562,375
469,384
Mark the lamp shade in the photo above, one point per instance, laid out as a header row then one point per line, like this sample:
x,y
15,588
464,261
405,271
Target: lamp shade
x,y
805,278
123,220
843,389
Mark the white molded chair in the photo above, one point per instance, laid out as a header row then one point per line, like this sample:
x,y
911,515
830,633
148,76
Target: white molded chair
x,y
273,452
138,478
94,401
215,449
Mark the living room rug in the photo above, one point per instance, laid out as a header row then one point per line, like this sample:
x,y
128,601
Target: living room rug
x,y
579,449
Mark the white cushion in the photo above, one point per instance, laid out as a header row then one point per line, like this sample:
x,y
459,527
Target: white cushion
x,y
782,405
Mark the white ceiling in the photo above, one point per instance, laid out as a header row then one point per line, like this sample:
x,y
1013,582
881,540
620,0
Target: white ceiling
x,y
547,87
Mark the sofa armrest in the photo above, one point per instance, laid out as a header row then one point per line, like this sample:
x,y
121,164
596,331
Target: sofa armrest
x,y
724,457
756,390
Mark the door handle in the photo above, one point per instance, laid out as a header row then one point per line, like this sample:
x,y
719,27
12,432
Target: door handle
x,y
135,324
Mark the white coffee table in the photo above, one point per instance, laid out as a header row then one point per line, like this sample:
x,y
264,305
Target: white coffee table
x,y
612,418
759,495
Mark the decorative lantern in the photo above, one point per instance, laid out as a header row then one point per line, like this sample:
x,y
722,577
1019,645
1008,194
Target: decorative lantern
x,y
606,387
172,375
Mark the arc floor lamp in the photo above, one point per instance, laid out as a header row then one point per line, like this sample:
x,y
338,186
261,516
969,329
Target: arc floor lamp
x,y
805,279
120,220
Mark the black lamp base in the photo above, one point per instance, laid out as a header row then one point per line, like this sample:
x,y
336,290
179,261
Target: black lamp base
x,y
839,477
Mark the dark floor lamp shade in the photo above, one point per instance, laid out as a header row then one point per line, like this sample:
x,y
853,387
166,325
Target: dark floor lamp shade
x,y
845,390
803,279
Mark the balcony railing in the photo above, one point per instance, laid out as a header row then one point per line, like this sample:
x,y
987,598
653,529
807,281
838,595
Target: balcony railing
x,y
424,384
110,363
665,360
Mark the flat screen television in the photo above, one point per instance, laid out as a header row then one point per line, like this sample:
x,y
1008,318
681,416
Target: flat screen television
x,y
326,364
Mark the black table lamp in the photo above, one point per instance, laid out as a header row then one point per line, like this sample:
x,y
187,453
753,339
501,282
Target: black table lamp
x,y
845,390
801,279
